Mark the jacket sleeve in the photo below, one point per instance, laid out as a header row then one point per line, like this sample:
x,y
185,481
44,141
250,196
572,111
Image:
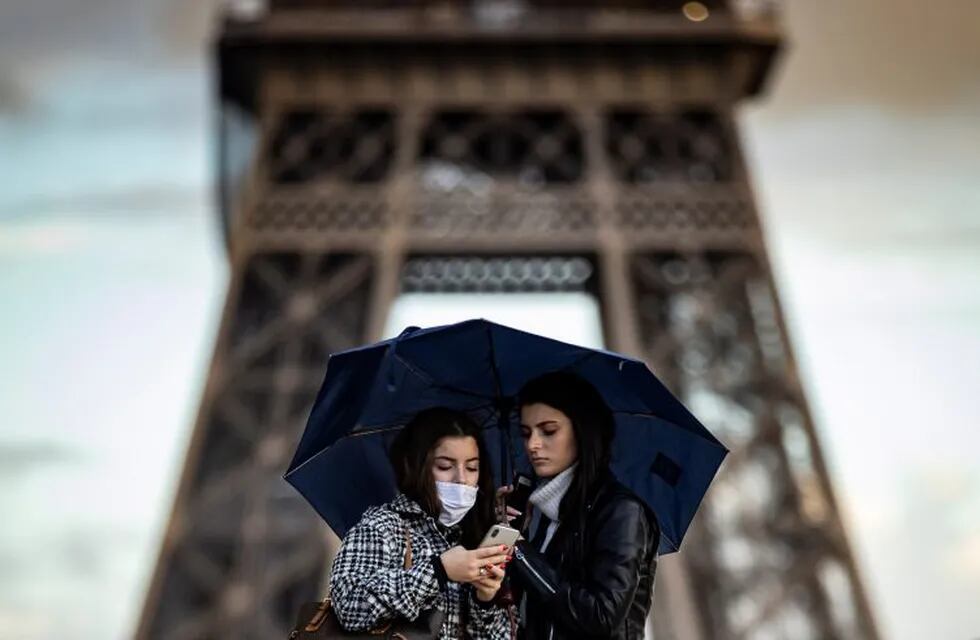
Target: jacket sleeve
x,y
487,620
600,602
369,586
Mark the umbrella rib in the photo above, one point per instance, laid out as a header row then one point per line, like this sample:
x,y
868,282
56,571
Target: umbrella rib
x,y
651,415
319,453
506,446
673,544
493,364
370,432
583,358
638,414
432,382
382,428
393,426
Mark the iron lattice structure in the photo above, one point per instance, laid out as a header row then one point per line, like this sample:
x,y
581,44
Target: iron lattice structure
x,y
371,148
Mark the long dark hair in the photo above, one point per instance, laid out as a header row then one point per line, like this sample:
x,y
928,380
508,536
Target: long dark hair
x,y
412,453
592,425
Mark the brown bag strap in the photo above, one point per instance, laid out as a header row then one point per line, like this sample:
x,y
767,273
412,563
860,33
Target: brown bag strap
x,y
320,615
408,547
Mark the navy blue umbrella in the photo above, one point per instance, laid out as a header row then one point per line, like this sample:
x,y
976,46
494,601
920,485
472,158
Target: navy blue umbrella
x,y
660,450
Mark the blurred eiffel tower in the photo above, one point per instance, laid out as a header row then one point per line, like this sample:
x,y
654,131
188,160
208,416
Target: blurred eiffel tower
x,y
372,147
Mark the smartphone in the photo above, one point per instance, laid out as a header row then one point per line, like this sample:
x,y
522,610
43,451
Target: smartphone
x,y
518,498
500,534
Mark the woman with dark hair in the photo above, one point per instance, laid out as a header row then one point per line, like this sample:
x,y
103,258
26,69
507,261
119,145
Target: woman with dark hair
x,y
587,570
444,508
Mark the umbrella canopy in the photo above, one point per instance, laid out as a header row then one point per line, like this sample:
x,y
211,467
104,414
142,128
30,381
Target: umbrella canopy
x,y
660,450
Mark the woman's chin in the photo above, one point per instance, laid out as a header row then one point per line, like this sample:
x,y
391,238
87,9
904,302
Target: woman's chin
x,y
543,470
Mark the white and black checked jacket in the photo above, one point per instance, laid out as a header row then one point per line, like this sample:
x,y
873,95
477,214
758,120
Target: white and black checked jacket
x,y
369,584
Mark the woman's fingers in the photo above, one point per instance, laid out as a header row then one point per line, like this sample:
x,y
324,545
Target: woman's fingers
x,y
487,584
491,560
483,561
491,570
491,579
485,574
489,552
496,573
487,562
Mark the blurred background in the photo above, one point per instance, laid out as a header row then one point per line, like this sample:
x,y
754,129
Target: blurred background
x,y
865,157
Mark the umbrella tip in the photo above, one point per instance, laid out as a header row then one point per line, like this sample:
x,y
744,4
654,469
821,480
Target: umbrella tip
x,y
407,331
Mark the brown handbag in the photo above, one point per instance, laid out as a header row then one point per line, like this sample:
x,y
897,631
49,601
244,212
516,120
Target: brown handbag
x,y
318,621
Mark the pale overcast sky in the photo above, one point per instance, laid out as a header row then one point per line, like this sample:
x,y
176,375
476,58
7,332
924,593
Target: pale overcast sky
x,y
866,161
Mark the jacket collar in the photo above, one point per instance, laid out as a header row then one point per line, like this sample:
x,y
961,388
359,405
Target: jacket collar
x,y
409,509
405,506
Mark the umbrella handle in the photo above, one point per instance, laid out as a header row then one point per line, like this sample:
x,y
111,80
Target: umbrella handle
x,y
504,406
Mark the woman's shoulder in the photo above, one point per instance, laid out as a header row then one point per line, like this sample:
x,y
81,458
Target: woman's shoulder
x,y
618,498
385,518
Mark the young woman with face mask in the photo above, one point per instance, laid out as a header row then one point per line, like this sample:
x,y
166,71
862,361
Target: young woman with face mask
x,y
446,504
586,569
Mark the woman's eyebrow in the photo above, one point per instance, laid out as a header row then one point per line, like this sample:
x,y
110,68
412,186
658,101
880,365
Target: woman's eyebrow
x,y
542,423
451,459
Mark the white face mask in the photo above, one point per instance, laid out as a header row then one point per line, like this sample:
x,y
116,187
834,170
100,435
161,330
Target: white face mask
x,y
456,499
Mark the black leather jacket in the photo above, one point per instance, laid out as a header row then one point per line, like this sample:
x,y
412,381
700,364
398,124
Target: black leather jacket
x,y
595,580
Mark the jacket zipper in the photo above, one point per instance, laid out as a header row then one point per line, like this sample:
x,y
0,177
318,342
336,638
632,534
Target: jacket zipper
x,y
521,558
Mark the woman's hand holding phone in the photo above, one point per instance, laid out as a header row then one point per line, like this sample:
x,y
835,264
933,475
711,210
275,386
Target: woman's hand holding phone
x,y
463,565
482,567
488,583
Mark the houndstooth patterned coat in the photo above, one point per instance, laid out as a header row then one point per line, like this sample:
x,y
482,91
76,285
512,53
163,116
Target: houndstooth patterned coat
x,y
369,584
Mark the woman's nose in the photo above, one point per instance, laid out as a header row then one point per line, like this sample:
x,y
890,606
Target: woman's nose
x,y
533,442
458,476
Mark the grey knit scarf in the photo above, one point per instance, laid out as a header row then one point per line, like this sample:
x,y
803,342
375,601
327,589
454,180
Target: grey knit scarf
x,y
547,498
